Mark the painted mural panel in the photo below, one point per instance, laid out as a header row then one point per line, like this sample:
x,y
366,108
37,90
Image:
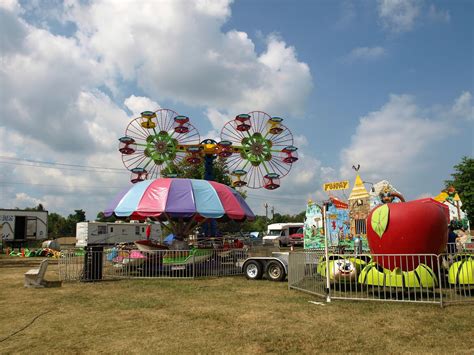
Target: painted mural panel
x,y
338,226
313,227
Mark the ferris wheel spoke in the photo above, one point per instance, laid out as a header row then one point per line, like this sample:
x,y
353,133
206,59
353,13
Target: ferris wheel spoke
x,y
192,137
155,171
139,162
164,118
136,132
284,140
235,166
234,138
148,163
265,167
179,159
135,163
259,120
256,177
280,168
129,160
229,132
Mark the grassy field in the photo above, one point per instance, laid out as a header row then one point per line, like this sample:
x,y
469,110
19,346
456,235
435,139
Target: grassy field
x,y
221,315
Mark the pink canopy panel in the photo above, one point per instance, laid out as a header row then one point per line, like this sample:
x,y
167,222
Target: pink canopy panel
x,y
173,198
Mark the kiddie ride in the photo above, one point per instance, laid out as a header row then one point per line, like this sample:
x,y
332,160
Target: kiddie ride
x,y
405,240
257,151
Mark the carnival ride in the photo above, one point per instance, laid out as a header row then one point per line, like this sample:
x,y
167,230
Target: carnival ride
x,y
183,203
258,148
407,241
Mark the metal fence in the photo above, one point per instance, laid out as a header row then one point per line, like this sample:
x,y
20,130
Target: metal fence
x,y
98,264
423,278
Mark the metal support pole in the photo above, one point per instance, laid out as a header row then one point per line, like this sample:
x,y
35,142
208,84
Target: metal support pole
x,y
326,253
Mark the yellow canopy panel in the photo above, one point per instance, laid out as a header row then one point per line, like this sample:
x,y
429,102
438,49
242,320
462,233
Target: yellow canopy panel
x,y
443,196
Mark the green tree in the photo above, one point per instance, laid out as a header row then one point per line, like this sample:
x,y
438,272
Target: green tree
x,y
56,225
463,182
101,218
72,220
184,169
37,208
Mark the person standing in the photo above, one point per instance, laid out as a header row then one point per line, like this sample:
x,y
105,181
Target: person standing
x,y
452,239
148,231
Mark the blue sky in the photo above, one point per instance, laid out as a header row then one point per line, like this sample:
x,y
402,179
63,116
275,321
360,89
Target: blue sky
x,y
384,84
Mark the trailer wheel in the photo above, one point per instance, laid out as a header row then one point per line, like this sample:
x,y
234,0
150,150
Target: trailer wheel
x,y
275,271
253,270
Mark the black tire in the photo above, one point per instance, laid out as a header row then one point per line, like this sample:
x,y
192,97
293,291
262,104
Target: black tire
x,y
253,270
275,271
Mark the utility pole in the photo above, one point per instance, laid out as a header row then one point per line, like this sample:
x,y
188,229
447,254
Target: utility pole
x,y
266,216
273,212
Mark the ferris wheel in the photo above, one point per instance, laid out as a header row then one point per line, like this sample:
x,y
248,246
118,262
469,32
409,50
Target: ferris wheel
x,y
258,148
155,140
265,147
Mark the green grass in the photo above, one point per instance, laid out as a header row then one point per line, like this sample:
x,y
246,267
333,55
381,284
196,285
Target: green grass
x,y
221,315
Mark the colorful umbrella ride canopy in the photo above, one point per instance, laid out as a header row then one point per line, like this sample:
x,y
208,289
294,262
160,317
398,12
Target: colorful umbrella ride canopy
x,y
172,198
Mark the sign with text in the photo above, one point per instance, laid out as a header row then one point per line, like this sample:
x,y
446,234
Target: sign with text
x,y
336,185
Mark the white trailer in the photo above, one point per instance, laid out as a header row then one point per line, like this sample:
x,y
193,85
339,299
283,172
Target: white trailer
x,y
103,233
23,226
274,268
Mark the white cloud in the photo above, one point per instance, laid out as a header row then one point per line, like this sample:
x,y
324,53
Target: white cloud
x,y
347,15
399,15
463,106
10,5
41,86
424,195
391,141
437,15
219,8
178,51
365,53
138,104
24,200
217,118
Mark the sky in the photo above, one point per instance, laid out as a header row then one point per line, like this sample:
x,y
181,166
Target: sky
x,y
384,84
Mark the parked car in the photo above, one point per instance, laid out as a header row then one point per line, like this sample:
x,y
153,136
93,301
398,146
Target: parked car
x,y
297,238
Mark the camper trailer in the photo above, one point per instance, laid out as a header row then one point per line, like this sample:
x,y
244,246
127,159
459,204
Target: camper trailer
x,y
19,226
280,233
103,233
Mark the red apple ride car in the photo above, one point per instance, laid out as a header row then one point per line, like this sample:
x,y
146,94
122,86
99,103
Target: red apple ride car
x,y
415,227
